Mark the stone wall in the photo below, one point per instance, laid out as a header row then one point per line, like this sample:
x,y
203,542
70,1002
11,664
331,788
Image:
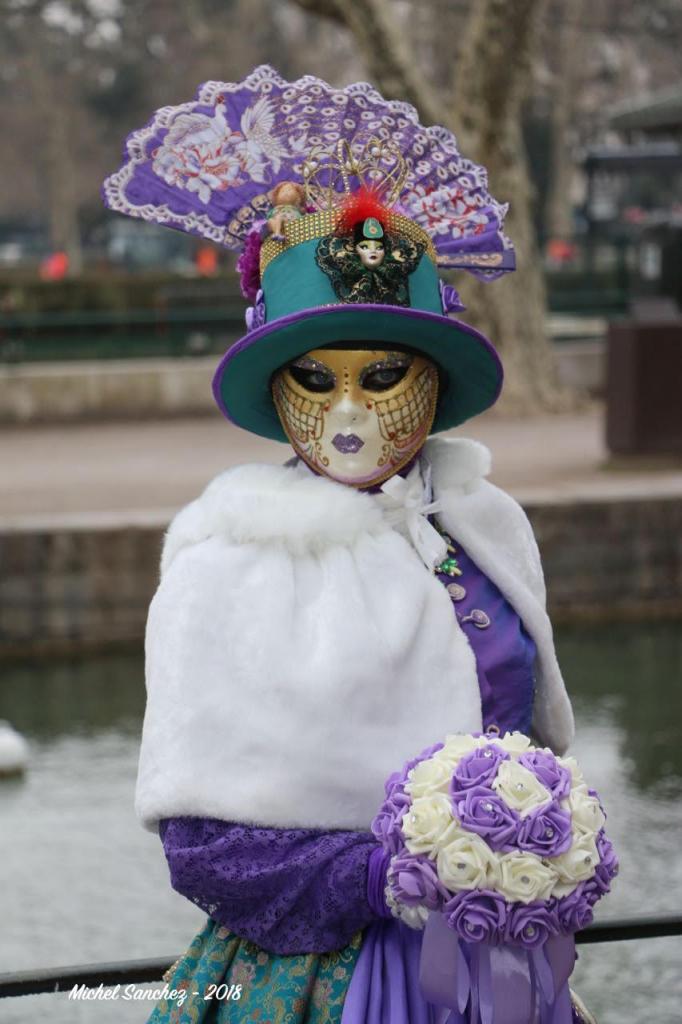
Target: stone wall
x,y
153,388
106,390
71,589
611,560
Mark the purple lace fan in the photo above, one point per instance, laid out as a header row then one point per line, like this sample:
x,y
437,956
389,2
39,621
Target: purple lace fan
x,y
206,167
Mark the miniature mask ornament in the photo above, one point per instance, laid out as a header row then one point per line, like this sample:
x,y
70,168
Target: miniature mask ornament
x,y
357,416
366,264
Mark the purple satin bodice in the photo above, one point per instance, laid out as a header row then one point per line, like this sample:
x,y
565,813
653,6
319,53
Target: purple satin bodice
x,y
303,890
504,651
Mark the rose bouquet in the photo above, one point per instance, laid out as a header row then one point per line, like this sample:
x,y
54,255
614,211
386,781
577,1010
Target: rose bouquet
x,y
500,844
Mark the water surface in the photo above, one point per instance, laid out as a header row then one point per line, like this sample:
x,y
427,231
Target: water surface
x,y
82,882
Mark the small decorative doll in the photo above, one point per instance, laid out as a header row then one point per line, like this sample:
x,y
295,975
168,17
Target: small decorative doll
x,y
319,623
363,261
288,203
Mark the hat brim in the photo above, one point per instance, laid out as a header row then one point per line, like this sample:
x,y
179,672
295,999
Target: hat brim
x,y
471,369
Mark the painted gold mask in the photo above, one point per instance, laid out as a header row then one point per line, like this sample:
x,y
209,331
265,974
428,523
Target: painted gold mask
x,y
357,416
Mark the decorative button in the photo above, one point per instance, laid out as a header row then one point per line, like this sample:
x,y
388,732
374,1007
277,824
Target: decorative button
x,y
449,567
477,618
456,591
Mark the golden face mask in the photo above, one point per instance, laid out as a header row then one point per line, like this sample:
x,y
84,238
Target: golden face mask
x,y
357,416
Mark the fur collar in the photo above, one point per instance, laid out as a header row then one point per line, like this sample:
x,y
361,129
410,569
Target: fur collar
x,y
264,503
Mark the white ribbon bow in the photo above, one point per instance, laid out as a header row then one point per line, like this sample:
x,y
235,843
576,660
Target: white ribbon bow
x,y
406,502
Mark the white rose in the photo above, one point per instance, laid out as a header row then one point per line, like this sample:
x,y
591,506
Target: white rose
x,y
456,746
578,863
519,788
572,765
467,862
413,917
524,878
428,777
587,816
562,889
427,821
514,742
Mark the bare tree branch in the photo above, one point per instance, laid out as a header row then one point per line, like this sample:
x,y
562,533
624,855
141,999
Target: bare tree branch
x,y
385,50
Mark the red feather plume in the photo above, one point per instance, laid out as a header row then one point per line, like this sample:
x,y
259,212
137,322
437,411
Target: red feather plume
x,y
358,207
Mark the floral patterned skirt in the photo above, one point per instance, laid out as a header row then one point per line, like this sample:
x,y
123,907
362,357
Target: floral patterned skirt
x,y
223,979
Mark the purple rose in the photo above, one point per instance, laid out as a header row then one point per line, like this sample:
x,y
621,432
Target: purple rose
x,y
478,768
575,910
531,924
546,831
450,299
549,772
607,868
482,811
414,882
392,783
255,315
386,830
477,915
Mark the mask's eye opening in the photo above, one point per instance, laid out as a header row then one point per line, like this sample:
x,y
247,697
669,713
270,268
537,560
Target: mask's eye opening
x,y
317,380
382,380
382,376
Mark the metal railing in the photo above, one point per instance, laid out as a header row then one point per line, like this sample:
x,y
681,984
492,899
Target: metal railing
x,y
126,972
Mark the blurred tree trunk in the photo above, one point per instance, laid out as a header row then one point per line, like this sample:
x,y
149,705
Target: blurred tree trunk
x,y
492,77
568,62
492,80
53,111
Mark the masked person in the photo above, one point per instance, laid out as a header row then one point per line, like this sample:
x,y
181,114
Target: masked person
x,y
319,622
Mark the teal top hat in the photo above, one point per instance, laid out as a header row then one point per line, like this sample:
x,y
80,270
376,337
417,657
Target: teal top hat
x,y
316,292
323,283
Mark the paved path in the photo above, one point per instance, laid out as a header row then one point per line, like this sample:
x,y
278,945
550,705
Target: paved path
x,y
144,471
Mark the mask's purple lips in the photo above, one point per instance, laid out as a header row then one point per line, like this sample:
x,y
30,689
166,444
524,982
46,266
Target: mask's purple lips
x,y
347,444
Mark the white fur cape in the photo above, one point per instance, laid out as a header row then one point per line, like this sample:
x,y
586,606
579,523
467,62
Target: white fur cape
x,y
298,651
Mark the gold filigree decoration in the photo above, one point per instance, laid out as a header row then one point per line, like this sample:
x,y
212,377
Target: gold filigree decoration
x,y
304,417
375,163
403,415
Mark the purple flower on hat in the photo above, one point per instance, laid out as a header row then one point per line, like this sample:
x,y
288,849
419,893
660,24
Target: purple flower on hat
x,y
414,882
546,831
248,265
255,315
477,915
478,768
548,771
450,299
482,811
531,924
575,910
